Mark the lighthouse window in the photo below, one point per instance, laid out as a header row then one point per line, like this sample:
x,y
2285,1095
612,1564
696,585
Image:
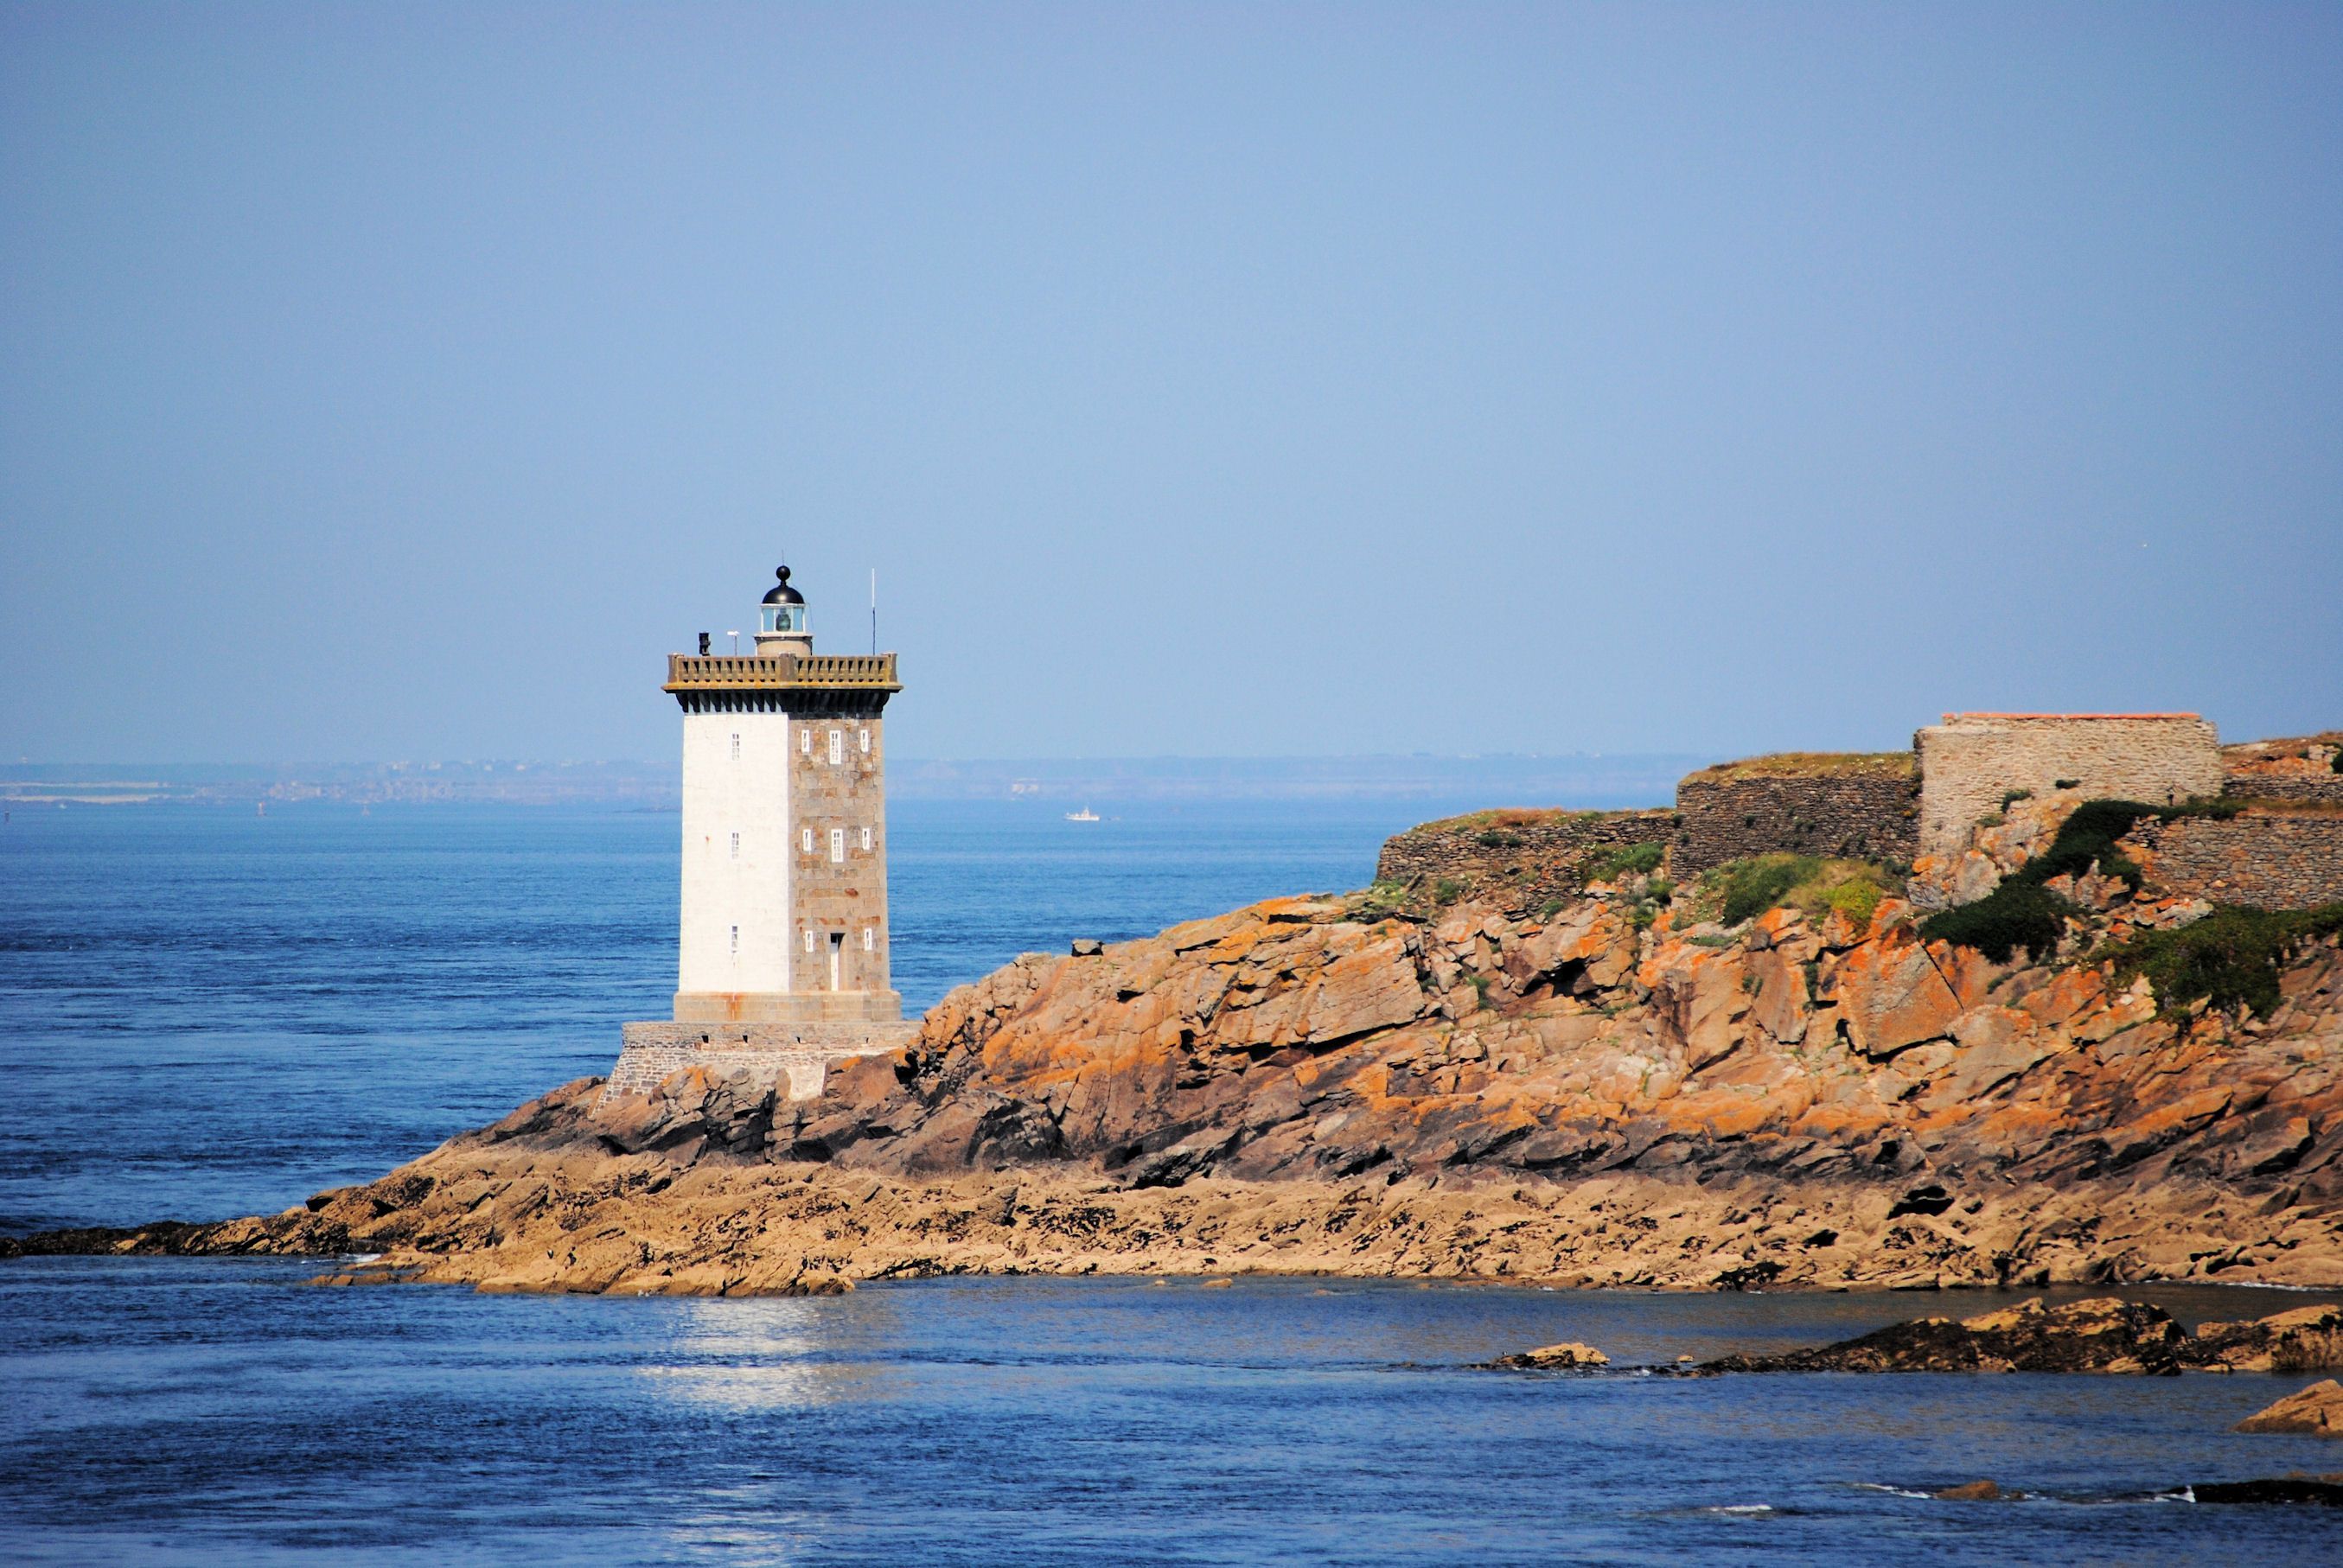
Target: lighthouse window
x,y
736,941
838,843
805,742
866,838
805,840
735,846
735,748
865,736
808,939
869,938
837,747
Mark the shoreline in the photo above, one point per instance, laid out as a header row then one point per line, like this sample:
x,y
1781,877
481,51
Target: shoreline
x,y
540,1202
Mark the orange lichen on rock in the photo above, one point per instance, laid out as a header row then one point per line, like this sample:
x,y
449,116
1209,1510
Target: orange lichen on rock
x,y
1571,1096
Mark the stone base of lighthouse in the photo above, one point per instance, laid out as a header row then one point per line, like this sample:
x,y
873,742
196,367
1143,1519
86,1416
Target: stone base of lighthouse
x,y
791,1057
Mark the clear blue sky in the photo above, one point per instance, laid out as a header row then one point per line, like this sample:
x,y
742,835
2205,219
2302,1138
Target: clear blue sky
x,y
405,381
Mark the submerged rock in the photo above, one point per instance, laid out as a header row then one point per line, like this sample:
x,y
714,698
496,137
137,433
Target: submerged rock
x,y
1973,1492
2318,1491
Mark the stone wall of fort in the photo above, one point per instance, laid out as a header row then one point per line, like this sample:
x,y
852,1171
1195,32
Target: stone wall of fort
x,y
1859,806
1971,762
2301,769
2270,861
1520,858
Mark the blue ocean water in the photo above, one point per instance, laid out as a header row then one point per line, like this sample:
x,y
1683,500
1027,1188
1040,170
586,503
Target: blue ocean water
x,y
204,1014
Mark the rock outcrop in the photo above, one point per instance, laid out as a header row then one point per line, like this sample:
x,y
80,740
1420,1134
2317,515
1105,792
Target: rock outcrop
x,y
2101,1335
1596,1096
2315,1411
2309,1339
1563,1357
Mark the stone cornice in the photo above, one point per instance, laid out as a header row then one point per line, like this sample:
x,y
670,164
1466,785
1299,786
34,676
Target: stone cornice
x,y
789,682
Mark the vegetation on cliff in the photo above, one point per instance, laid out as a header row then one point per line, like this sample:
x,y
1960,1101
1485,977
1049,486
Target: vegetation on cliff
x,y
2024,913
1741,890
1815,765
2232,959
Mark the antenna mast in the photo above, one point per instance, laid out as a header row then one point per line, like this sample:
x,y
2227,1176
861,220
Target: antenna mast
x,y
874,610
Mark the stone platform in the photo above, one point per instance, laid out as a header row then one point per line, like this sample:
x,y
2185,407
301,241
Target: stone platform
x,y
798,1053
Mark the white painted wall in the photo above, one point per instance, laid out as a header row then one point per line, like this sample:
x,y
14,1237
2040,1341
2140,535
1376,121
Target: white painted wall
x,y
723,795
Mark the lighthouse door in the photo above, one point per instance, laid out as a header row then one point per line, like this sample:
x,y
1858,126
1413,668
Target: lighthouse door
x,y
837,959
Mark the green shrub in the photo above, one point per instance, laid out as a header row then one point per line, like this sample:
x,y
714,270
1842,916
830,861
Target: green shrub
x,y
1625,860
1447,890
2023,913
2015,915
1655,896
1751,886
1857,898
2012,797
1492,840
2230,959
1812,884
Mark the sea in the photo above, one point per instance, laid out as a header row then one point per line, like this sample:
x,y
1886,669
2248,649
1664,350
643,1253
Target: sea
x,y
205,1013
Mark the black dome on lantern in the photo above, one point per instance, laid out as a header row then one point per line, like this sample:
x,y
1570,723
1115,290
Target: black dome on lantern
x,y
782,593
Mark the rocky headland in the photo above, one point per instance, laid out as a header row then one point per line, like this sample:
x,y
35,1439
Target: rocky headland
x,y
1638,1084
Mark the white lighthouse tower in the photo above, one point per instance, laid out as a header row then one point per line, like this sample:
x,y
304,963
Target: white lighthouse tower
x,y
783,963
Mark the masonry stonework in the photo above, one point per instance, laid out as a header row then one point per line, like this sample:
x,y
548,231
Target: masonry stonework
x,y
1860,807
783,945
2266,861
2302,769
1520,858
790,1056
1973,762
840,857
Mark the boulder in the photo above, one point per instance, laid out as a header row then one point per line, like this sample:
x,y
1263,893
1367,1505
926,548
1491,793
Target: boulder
x,y
2313,1411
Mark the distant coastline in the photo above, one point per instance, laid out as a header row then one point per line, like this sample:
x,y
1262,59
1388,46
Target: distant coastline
x,y
1584,779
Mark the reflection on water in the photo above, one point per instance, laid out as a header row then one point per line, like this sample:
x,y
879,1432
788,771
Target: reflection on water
x,y
760,1351
218,1405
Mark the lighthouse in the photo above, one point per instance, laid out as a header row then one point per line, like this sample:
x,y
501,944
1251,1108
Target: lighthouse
x,y
782,961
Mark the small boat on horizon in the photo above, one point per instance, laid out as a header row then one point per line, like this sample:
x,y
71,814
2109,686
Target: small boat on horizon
x,y
1084,814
